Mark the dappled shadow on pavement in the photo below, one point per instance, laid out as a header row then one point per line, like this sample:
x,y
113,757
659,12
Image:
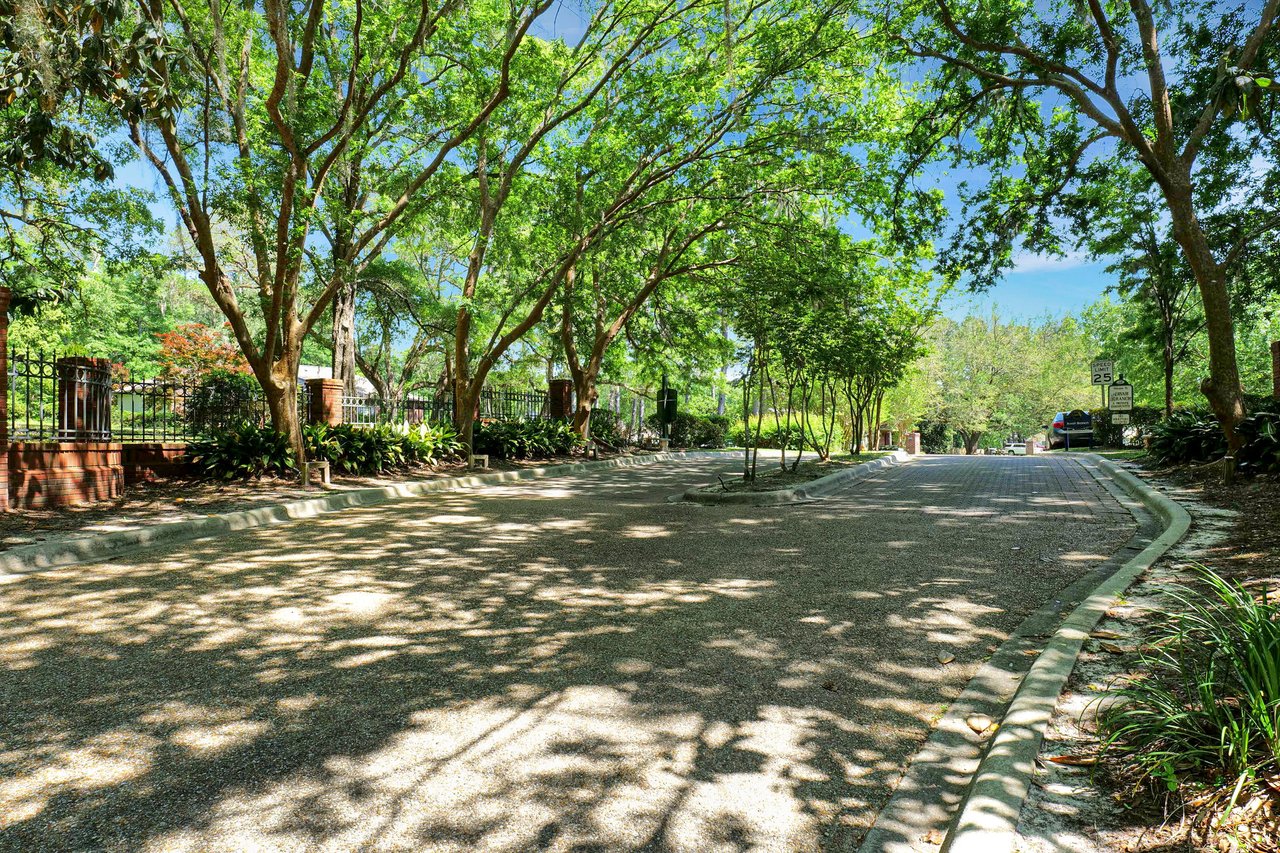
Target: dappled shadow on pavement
x,y
566,665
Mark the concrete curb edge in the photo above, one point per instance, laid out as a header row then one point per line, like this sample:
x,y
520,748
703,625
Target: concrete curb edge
x,y
988,818
50,555
804,492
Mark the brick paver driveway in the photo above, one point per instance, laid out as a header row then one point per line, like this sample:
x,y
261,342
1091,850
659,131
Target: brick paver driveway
x,y
571,664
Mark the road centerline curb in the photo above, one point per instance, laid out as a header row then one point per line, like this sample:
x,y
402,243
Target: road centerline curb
x,y
812,490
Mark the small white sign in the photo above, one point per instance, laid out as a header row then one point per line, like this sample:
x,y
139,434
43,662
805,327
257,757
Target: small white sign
x,y
1120,418
1103,372
1121,398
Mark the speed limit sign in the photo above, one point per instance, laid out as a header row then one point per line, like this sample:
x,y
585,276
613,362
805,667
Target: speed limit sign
x,y
1102,372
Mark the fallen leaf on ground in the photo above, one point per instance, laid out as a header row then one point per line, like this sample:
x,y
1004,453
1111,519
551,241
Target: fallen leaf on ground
x,y
1113,648
1074,760
943,657
934,836
1102,634
979,722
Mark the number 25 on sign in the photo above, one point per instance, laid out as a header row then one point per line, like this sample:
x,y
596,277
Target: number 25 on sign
x,y
1102,372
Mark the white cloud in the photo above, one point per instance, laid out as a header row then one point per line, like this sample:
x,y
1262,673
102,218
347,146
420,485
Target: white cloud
x,y
1027,262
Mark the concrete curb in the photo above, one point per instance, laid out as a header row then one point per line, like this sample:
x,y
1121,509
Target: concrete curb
x,y
988,818
805,492
49,555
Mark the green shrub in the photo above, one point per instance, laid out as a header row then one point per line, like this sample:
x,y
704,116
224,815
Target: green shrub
x,y
223,400
356,449
607,427
242,451
695,430
936,437
377,449
1204,714
770,435
777,436
248,450
1187,437
838,441
426,442
1261,451
521,439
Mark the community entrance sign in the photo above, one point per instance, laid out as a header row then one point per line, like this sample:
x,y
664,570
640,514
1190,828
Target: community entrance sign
x,y
1121,396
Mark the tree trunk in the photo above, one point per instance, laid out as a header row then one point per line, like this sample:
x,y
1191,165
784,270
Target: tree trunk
x,y
467,429
344,337
587,394
1168,379
281,391
1222,386
463,406
971,440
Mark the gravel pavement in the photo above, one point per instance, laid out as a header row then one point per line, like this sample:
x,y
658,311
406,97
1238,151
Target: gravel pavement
x,y
571,664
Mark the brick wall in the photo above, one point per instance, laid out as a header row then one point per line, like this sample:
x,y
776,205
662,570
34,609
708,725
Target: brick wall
x,y
154,461
45,474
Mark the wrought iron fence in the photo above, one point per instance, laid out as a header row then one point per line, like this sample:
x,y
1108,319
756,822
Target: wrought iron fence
x,y
504,405
178,410
494,404
367,410
73,398
54,397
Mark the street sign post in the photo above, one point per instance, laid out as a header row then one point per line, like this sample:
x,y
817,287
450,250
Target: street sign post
x,y
1102,371
666,408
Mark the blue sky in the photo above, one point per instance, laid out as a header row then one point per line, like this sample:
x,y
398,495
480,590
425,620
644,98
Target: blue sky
x,y
1038,286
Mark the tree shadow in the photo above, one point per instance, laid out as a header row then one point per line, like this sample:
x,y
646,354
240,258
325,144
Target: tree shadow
x,y
565,665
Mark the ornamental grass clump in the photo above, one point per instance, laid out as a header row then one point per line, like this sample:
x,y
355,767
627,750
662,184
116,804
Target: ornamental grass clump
x,y
1201,721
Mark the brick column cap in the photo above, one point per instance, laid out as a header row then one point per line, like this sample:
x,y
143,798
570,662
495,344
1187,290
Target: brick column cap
x,y
324,382
84,361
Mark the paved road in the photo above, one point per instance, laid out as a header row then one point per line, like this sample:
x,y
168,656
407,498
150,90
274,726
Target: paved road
x,y
570,664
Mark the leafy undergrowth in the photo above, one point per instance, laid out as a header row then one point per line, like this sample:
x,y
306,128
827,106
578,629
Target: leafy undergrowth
x,y
1200,721
1172,797
771,478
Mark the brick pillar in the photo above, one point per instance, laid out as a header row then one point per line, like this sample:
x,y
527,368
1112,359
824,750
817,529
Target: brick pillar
x,y
1031,447
84,398
4,399
911,443
560,398
1275,369
326,401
